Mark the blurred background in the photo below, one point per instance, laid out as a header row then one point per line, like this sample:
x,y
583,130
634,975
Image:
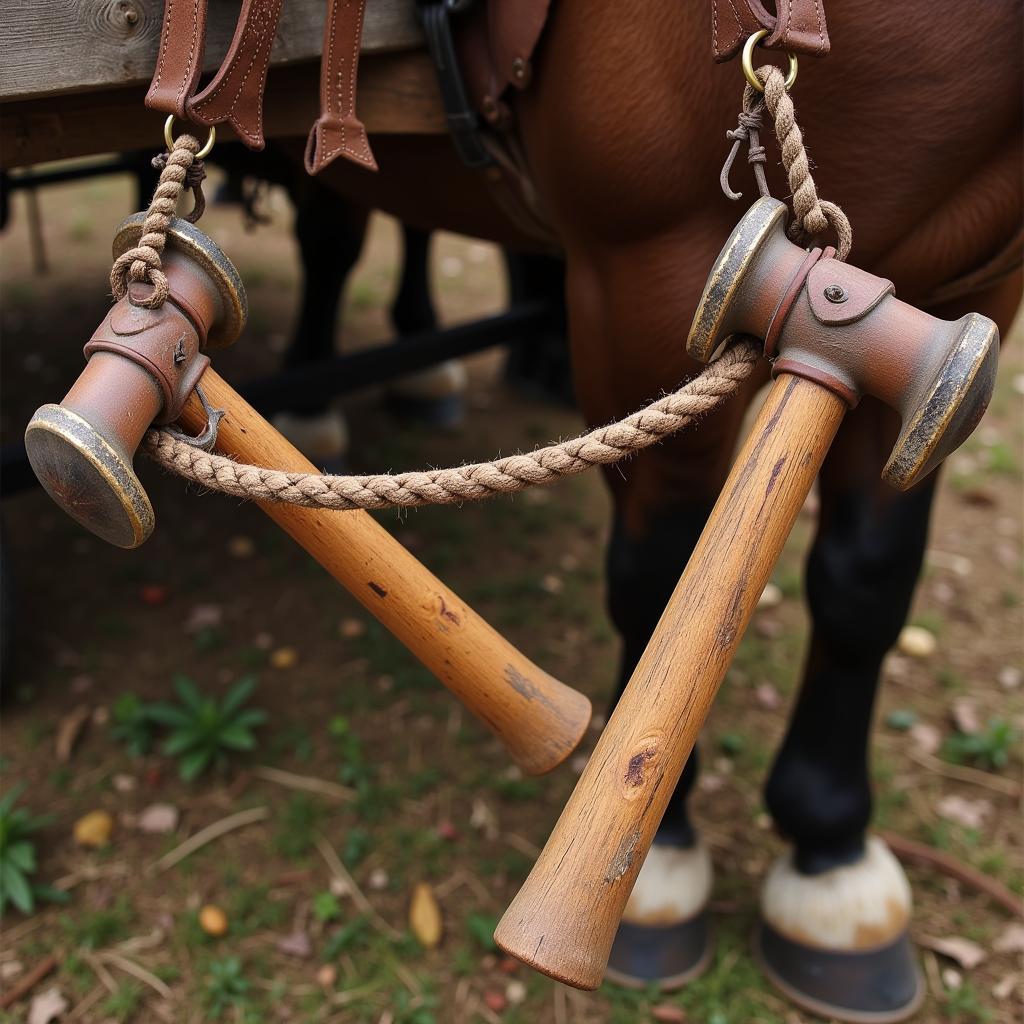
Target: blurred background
x,y
364,832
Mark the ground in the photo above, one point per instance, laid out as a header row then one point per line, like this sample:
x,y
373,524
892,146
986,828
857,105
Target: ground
x,y
401,786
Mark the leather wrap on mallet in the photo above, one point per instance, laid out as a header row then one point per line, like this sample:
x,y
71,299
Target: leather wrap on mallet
x,y
82,452
857,339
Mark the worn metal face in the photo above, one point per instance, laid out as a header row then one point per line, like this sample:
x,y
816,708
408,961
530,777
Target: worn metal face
x,y
844,329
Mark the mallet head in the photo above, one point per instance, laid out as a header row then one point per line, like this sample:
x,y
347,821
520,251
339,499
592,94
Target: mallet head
x,y
142,366
842,327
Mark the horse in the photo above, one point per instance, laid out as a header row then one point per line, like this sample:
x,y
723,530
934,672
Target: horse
x,y
621,132
618,119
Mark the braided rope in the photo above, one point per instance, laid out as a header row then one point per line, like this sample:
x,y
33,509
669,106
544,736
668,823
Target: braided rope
x,y
811,216
717,382
143,262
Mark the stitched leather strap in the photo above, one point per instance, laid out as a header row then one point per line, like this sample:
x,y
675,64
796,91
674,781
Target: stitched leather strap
x,y
236,93
180,57
338,131
799,26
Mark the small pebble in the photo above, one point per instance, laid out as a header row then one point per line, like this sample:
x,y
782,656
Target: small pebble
x,y
579,762
326,976
351,628
284,658
951,978
124,783
495,1001
771,597
1010,677
767,696
515,992
508,965
153,594
213,920
264,641
158,819
100,716
241,547
93,830
378,880
916,642
552,584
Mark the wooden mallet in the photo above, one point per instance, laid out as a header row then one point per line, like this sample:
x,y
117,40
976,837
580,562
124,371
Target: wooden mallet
x,y
143,367
839,334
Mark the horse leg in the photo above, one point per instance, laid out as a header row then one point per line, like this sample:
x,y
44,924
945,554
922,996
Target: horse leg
x,y
628,309
433,395
836,908
330,232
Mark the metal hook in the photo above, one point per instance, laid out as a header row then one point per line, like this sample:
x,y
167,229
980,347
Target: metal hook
x,y
207,439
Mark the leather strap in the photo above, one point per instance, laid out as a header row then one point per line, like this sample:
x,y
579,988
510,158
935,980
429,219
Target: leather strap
x,y
338,131
236,93
798,27
180,57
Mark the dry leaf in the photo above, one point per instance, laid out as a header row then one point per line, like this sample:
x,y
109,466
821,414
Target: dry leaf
x,y
966,953
296,944
158,819
425,916
47,1006
213,920
962,811
666,1013
93,829
69,728
481,817
1004,988
1010,939
965,715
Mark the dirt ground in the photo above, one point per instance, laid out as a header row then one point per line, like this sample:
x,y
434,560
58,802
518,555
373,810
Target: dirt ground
x,y
395,782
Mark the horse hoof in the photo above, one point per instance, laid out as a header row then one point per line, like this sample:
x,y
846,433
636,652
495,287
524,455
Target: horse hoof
x,y
665,934
837,943
322,437
433,396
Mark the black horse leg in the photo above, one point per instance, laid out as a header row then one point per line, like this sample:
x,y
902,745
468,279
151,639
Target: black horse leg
x,y
413,308
836,910
433,395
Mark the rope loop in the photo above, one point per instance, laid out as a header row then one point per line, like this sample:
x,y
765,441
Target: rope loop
x,y
717,382
179,169
812,216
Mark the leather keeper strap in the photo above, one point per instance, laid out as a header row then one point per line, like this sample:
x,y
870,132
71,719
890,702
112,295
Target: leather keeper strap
x,y
799,27
337,131
236,93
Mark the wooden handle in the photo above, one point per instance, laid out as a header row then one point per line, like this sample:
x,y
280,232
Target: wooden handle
x,y
539,719
564,918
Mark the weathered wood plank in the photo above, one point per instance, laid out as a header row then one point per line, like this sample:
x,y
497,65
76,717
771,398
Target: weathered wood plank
x,y
59,46
397,94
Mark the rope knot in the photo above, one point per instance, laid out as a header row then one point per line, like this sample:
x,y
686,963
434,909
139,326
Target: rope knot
x,y
179,169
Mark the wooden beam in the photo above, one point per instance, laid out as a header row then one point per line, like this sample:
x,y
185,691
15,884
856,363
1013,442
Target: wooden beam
x,y
65,46
397,95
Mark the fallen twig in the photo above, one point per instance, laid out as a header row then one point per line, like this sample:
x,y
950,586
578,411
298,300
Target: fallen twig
x,y
307,783
29,982
136,971
964,774
333,862
208,834
908,849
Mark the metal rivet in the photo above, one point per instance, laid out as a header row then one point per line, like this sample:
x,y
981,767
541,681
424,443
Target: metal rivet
x,y
836,293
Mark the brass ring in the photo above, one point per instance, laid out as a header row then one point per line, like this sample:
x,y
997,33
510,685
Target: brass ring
x,y
748,62
169,138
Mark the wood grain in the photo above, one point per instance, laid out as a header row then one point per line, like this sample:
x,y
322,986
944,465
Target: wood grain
x,y
53,46
539,719
397,95
563,920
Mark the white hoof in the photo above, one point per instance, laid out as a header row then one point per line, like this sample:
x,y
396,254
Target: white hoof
x,y
441,381
673,886
850,908
322,437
